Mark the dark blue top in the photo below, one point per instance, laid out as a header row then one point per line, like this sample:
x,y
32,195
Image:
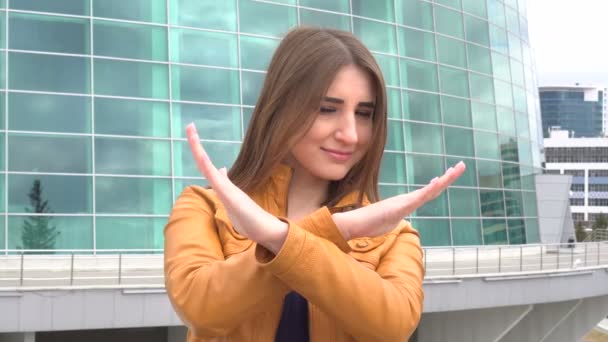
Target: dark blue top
x,y
293,326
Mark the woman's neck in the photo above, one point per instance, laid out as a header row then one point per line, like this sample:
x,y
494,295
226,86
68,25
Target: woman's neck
x,y
305,194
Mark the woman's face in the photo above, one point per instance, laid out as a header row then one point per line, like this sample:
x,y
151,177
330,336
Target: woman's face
x,y
341,133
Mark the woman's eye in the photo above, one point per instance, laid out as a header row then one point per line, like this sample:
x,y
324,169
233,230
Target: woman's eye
x,y
364,114
327,110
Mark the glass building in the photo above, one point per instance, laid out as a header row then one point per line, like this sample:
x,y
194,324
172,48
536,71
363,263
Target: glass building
x,y
96,94
578,109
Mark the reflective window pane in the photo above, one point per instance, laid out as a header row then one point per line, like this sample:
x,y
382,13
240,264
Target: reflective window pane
x,y
484,116
2,108
498,40
416,44
212,122
132,156
256,52
476,7
132,195
323,19
386,191
501,66
503,93
54,113
517,72
456,111
205,84
520,102
510,174
181,184
482,88
137,10
131,117
525,156
522,125
419,75
49,73
486,145
134,232
212,14
514,203
2,166
253,17
49,153
63,232
495,232
376,36
394,103
492,203
515,47
392,169
508,149
390,69
489,174
449,22
527,179
206,48
477,30
252,86
65,194
458,141
421,106
466,232
48,33
2,237
464,202
496,12
129,40
437,207
433,232
517,231
479,59
422,168
335,6
506,121
512,20
456,4
222,155
380,9
532,231
394,139
77,7
530,204
133,79
454,81
423,138
451,51
415,13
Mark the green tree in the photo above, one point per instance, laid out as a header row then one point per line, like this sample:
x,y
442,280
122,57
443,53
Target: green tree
x,y
580,232
601,222
38,232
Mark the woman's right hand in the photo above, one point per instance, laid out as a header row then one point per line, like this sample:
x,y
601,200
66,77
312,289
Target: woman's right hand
x,y
383,216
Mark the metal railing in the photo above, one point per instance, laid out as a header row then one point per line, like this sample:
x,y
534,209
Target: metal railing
x,y
111,268
503,259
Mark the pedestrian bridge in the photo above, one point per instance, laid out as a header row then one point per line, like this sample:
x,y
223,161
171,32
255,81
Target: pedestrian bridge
x,y
548,292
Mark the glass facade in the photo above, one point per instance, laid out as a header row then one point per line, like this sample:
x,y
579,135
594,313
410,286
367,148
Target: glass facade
x,y
578,110
95,94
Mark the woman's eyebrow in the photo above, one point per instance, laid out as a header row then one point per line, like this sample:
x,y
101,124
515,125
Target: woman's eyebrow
x,y
340,101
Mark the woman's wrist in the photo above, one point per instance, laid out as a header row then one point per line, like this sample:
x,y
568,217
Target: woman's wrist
x,y
275,237
342,226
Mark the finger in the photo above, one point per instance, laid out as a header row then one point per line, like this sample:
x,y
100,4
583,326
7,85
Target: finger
x,y
203,162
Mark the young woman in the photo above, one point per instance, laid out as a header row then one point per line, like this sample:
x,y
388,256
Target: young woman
x,y
293,243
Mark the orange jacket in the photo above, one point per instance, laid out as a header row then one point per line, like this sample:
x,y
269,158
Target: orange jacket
x,y
227,288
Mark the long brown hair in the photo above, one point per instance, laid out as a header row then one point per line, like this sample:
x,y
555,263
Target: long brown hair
x,y
302,69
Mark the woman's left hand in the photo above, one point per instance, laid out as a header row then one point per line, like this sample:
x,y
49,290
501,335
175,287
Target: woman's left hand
x,y
248,218
381,217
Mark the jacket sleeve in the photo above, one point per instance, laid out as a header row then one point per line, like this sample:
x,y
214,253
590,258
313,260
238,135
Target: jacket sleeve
x,y
385,305
210,294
